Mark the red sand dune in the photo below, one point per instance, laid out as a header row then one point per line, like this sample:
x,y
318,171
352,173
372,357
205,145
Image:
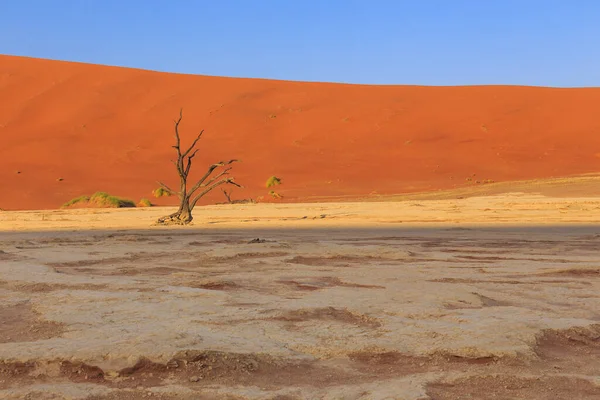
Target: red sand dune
x,y
110,129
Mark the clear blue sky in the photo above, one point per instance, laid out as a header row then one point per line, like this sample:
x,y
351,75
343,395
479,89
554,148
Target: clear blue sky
x,y
423,42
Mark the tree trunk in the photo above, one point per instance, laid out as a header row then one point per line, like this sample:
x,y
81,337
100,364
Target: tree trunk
x,y
185,213
183,216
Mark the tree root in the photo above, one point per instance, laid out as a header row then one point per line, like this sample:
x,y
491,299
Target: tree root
x,y
174,219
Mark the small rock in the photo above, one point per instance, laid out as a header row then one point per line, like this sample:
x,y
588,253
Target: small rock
x,y
195,379
257,240
59,180
251,365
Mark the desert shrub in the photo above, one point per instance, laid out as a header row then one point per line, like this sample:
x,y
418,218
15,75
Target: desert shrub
x,y
273,181
104,199
100,199
160,192
144,203
275,195
76,200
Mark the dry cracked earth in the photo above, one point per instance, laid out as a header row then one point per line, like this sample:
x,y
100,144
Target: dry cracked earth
x,y
413,313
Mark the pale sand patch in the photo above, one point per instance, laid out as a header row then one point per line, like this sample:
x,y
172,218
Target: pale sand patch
x,y
512,208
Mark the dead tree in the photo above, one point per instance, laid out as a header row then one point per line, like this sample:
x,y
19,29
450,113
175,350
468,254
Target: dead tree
x,y
188,197
227,196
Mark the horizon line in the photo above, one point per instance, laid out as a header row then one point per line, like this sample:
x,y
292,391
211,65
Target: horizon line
x,y
291,80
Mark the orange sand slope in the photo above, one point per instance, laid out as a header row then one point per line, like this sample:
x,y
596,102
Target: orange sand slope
x,y
110,129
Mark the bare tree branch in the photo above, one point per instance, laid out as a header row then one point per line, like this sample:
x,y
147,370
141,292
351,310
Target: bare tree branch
x,y
168,189
178,143
227,195
189,162
207,174
216,177
193,144
177,122
209,188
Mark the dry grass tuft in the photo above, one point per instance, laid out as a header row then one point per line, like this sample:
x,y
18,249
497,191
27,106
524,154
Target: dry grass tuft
x,y
99,200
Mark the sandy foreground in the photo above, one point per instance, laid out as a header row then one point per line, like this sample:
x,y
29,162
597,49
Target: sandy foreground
x,y
491,297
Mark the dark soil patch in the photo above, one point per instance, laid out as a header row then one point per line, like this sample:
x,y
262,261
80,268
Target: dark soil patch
x,y
4,256
497,281
574,272
50,287
213,285
249,255
130,258
323,283
575,350
81,372
15,369
507,387
20,324
329,314
329,260
485,302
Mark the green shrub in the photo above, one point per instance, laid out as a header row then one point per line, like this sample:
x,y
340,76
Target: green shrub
x,y
273,181
76,200
100,199
275,195
104,199
160,192
144,203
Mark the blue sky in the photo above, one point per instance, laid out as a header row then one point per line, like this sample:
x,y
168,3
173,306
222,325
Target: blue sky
x,y
421,42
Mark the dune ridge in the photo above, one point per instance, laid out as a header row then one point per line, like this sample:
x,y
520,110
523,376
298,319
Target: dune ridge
x,y
69,129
